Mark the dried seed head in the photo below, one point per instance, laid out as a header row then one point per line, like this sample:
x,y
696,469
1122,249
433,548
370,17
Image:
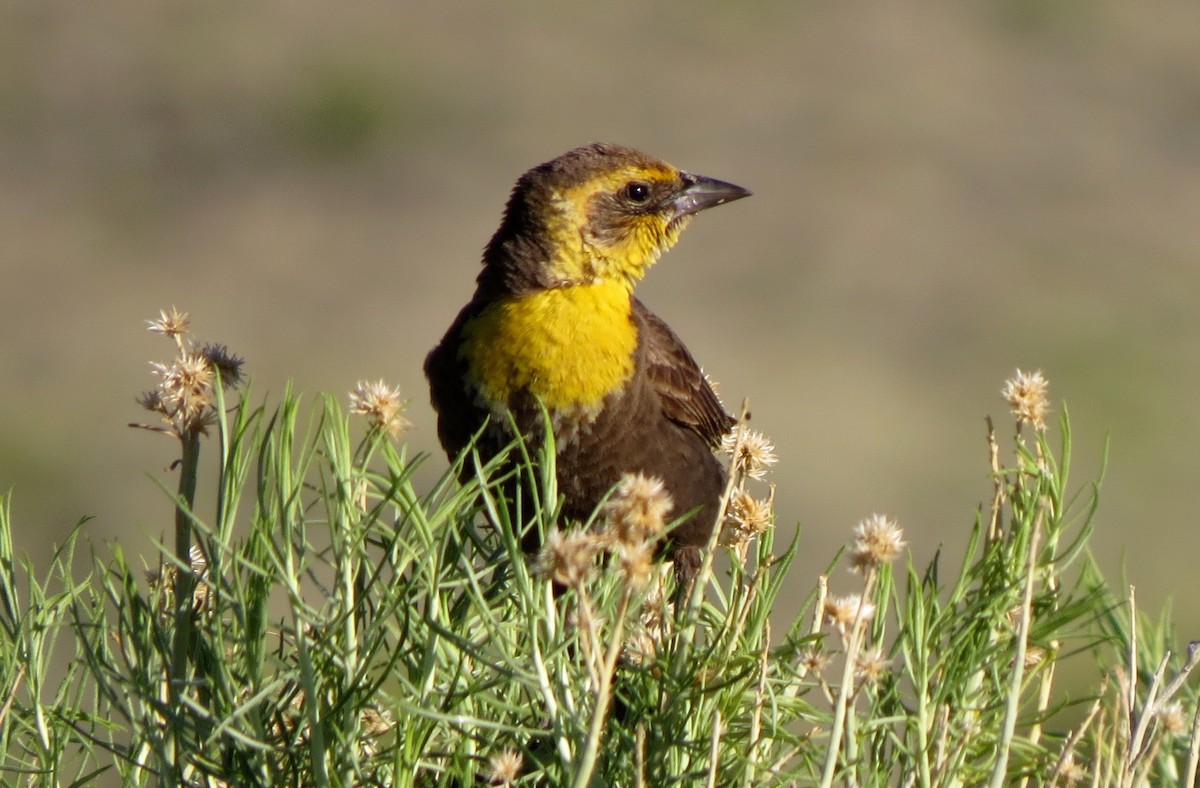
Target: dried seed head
x,y
657,611
871,666
224,362
814,661
749,516
1070,771
152,400
638,508
1173,718
877,541
504,767
639,648
843,611
635,563
569,559
381,404
171,322
186,387
1025,394
184,397
755,455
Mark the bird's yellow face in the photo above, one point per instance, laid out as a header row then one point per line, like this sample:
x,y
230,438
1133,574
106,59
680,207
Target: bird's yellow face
x,y
613,226
597,214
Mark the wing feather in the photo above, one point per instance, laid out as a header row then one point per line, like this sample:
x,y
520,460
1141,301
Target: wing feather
x,y
686,395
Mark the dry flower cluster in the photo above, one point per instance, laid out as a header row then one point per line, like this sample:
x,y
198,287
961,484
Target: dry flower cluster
x,y
381,404
748,516
1026,395
634,521
185,397
877,541
504,767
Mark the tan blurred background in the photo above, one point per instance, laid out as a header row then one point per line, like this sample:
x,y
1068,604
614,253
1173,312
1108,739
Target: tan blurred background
x,y
943,191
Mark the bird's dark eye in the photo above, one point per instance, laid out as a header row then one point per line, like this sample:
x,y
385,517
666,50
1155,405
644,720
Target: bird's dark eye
x,y
637,192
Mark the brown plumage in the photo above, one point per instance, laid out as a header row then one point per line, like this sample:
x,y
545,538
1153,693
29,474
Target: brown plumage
x,y
554,319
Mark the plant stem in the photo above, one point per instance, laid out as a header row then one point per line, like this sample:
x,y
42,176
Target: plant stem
x,y
1013,701
185,581
587,761
841,707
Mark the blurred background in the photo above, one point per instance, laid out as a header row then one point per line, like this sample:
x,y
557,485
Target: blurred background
x,y
944,192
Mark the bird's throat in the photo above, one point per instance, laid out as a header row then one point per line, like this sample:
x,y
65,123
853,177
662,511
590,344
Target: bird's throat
x,y
569,346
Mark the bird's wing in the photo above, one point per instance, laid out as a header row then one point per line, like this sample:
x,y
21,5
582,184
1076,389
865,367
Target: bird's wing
x,y
459,416
686,395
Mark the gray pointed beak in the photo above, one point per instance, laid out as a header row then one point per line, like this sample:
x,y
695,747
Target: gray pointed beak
x,y
700,192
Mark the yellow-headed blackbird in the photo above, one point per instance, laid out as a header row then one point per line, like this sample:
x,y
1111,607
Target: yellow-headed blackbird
x,y
554,319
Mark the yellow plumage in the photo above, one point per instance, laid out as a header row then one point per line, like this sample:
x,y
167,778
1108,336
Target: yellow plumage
x,y
569,346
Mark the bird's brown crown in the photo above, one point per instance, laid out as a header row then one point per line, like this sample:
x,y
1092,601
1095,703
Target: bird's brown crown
x,y
599,213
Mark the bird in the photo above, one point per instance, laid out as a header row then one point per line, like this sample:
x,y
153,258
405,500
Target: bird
x,y
554,324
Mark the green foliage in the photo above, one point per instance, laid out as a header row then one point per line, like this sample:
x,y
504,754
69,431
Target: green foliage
x,y
344,627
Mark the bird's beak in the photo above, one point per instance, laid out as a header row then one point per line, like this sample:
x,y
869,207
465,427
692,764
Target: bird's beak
x,y
700,192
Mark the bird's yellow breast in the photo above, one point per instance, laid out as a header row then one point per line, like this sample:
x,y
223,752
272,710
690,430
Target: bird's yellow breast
x,y
570,346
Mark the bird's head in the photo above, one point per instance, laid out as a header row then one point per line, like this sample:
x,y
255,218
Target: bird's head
x,y
600,213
